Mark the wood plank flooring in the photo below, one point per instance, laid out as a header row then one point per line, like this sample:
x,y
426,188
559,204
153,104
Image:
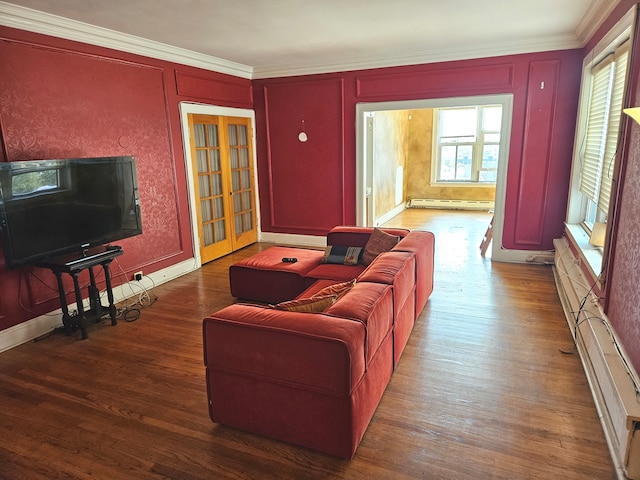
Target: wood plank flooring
x,y
482,390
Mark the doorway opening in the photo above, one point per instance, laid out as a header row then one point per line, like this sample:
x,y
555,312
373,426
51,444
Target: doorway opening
x,y
381,186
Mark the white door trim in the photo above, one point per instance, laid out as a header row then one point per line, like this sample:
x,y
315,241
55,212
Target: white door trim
x,y
187,108
363,110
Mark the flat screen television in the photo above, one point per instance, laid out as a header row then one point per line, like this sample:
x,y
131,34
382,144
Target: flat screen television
x,y
54,207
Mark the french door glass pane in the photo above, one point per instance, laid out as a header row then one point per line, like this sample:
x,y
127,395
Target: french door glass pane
x,y
205,207
235,180
220,234
203,184
244,158
218,208
213,135
245,179
201,156
233,153
238,224
237,203
215,160
207,230
243,134
198,132
248,222
233,135
246,200
216,180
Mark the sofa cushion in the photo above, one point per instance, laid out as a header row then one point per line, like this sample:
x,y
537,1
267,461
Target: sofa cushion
x,y
264,277
330,271
342,255
314,304
378,242
372,305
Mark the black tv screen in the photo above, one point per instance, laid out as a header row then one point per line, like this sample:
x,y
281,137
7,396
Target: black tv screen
x,y
55,207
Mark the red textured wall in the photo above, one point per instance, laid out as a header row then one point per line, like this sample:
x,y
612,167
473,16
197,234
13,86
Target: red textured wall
x,y
62,99
540,149
304,177
623,274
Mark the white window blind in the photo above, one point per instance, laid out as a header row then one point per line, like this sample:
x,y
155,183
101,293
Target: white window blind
x,y
610,149
603,123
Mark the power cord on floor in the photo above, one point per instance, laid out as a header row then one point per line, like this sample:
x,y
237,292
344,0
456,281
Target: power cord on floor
x,y
131,312
128,311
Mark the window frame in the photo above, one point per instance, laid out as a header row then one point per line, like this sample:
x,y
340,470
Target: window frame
x,y
477,148
578,225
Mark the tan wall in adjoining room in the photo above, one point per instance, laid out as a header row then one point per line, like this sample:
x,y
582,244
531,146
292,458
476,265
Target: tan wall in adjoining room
x,y
389,153
418,167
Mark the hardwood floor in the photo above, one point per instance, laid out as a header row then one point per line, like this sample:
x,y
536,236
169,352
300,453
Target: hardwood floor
x,y
482,390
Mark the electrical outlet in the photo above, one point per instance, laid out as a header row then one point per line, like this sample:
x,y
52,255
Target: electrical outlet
x,y
137,276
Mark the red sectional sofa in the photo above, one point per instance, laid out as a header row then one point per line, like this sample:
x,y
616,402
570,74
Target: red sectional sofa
x,y
315,379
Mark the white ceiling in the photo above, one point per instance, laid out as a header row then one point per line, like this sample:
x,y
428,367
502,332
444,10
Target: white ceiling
x,y
265,38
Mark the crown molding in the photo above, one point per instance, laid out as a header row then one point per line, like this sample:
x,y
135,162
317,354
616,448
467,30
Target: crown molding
x,y
39,22
597,13
561,42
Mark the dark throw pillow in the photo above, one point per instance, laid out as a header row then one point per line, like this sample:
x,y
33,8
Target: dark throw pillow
x,y
342,255
379,242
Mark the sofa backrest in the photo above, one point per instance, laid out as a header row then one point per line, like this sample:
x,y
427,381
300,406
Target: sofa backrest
x,y
357,236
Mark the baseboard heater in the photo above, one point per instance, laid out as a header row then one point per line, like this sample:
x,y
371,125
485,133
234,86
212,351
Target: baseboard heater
x,y
450,204
611,377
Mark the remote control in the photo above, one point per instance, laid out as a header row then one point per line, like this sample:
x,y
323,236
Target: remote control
x,y
289,260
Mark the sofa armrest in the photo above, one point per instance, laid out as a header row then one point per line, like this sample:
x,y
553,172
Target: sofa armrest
x,y
346,236
306,350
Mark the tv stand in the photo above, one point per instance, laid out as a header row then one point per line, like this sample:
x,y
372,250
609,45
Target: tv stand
x,y
73,265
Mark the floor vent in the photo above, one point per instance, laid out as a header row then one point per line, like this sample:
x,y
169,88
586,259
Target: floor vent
x,y
611,377
451,204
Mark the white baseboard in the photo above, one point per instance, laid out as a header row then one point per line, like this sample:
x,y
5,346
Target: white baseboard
x,y
390,214
607,367
44,324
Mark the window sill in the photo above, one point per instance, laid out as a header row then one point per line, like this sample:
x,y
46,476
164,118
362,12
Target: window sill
x,y
590,254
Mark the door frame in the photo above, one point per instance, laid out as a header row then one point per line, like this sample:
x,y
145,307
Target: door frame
x,y
187,108
363,161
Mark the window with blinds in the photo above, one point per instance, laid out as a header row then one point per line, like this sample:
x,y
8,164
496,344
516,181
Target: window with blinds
x,y
602,130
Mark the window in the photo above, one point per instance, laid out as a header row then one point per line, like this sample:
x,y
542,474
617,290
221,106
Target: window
x,y
468,143
602,97
601,132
